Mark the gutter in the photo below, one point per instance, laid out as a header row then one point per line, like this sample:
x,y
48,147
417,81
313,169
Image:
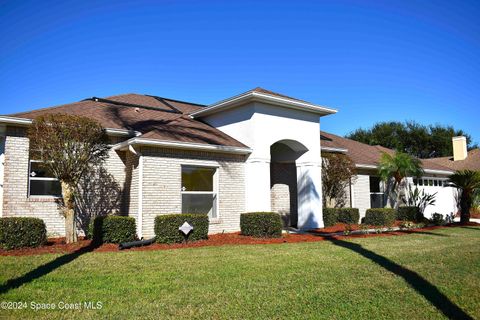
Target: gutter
x,y
24,122
331,149
180,145
430,171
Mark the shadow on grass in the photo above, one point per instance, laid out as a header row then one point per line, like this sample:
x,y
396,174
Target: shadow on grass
x,y
419,284
472,228
46,268
425,232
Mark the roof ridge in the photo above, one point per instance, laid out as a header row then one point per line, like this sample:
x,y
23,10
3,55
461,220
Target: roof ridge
x,y
127,104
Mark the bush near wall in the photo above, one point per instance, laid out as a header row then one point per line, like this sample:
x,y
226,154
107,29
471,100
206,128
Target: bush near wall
x,y
348,215
166,227
19,232
113,229
261,224
409,214
332,216
380,216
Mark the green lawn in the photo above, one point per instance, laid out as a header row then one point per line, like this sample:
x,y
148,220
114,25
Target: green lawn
x,y
418,276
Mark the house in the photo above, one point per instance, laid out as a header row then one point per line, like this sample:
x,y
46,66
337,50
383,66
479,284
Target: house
x,y
171,156
257,151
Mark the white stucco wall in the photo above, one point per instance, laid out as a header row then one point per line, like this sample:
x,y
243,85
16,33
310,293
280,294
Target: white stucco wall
x,y
260,125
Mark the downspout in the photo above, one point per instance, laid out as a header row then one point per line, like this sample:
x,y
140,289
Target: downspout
x,y
352,195
140,197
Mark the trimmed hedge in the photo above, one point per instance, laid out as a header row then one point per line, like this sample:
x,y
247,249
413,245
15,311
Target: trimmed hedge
x,y
348,215
261,224
20,232
380,216
330,217
113,229
166,227
409,214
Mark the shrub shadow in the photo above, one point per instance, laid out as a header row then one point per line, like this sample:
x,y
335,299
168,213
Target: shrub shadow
x,y
46,268
414,280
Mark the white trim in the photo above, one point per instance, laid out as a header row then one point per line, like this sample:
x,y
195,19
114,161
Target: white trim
x,y
366,166
263,97
140,198
181,145
331,149
122,132
430,171
215,192
14,120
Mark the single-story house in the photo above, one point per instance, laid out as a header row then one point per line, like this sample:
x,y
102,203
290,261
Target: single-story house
x,y
257,151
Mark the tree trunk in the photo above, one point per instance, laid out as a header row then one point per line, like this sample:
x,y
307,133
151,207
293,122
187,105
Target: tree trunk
x,y
465,206
69,213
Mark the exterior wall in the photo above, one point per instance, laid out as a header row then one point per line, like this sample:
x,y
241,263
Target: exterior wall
x,y
260,125
361,193
162,186
445,200
16,202
283,191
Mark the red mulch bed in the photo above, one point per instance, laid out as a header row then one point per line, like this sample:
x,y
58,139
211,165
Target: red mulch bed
x,y
57,245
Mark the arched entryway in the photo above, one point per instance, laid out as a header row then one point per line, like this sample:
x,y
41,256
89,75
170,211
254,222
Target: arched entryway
x,y
283,179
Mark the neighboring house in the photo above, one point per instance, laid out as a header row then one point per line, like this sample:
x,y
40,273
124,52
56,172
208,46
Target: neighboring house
x,y
368,191
258,151
170,156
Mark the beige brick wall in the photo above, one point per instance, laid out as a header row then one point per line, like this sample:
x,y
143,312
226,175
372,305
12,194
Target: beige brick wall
x,y
162,186
15,188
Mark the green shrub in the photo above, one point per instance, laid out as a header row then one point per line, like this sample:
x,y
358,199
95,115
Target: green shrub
x,y
16,232
348,215
409,214
380,216
261,224
166,227
437,219
113,229
330,217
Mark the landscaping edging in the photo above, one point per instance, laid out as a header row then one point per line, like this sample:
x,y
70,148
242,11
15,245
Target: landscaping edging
x,y
55,246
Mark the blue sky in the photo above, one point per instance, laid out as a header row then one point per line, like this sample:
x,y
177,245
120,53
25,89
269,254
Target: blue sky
x,y
374,61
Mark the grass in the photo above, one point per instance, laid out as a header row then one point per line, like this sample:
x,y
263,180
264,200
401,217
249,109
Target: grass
x,y
417,276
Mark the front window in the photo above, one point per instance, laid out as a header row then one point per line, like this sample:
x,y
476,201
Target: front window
x,y
376,194
199,194
41,182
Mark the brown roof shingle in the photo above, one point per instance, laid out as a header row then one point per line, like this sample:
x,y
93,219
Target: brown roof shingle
x,y
365,154
154,117
472,162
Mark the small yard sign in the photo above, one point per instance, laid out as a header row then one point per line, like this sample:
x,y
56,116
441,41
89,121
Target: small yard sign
x,y
185,228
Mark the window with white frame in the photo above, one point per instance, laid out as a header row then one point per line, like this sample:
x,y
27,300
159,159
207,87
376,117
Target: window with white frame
x,y
376,193
41,182
199,191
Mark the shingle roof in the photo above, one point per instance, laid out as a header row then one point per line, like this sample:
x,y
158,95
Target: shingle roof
x,y
154,117
472,162
364,154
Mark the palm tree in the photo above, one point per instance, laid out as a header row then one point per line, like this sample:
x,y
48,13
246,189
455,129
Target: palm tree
x,y
467,182
397,167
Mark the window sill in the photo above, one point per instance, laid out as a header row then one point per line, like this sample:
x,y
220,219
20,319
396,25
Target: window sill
x,y
43,199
